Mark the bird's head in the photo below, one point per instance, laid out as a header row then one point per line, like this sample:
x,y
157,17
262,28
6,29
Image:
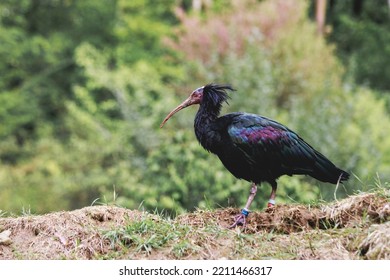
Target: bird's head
x,y
211,95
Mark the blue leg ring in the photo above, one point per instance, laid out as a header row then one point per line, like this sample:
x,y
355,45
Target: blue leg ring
x,y
245,212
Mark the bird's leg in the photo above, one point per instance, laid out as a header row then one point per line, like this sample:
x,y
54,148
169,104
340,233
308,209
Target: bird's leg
x,y
271,201
251,196
240,219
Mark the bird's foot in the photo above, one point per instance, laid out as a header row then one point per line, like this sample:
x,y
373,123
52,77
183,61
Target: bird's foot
x,y
240,219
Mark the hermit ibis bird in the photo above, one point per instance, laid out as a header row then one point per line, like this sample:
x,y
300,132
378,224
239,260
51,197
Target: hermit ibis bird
x,y
253,147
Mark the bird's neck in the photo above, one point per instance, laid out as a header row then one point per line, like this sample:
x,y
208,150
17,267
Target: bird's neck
x,y
204,118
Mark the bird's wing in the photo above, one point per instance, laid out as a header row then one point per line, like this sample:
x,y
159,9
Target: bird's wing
x,y
261,139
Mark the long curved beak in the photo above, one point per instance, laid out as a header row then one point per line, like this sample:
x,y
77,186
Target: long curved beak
x,y
183,105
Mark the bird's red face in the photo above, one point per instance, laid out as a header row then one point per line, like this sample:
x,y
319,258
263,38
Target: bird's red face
x,y
195,98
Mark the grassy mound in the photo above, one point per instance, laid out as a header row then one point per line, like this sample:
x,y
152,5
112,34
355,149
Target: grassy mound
x,y
355,228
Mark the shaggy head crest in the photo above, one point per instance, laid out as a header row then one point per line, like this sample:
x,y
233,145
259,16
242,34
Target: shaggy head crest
x,y
215,94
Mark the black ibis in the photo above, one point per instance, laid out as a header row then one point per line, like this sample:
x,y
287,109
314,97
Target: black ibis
x,y
253,147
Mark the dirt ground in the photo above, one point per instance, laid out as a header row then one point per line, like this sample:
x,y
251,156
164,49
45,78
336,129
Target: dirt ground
x,y
355,228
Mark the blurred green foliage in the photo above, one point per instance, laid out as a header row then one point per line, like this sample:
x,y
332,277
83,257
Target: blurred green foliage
x,y
85,85
361,31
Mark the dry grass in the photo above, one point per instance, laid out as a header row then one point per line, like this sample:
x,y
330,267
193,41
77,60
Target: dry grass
x,y
63,235
358,209
377,243
355,228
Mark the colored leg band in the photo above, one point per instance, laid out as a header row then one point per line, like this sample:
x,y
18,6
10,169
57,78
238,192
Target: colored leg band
x,y
245,212
271,201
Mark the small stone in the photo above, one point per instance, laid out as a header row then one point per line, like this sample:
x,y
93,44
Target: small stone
x,y
4,237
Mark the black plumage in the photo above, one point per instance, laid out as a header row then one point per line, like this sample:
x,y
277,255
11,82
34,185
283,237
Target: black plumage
x,y
253,147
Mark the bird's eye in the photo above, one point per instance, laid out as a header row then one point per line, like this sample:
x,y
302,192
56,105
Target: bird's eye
x,y
198,94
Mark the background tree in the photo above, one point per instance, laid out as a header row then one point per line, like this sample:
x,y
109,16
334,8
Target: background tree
x,y
360,29
85,85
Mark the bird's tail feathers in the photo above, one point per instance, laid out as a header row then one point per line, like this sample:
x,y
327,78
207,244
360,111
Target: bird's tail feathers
x,y
326,171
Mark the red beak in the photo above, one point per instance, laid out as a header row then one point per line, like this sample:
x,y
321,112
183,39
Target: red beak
x,y
191,100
